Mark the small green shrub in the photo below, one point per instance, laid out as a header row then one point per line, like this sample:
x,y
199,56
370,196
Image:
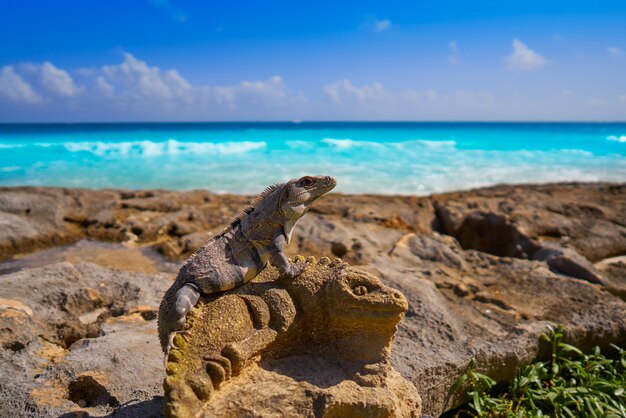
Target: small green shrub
x,y
571,384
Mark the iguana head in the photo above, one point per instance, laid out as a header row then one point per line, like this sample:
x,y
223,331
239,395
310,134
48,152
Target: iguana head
x,y
299,195
347,310
359,297
362,315
345,292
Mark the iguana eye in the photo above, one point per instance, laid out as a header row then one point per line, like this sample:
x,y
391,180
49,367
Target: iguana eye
x,y
360,290
306,181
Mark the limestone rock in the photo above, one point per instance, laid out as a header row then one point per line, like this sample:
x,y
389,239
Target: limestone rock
x,y
317,345
435,247
568,262
32,218
590,218
80,338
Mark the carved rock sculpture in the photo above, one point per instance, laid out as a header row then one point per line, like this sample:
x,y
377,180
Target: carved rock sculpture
x,y
317,345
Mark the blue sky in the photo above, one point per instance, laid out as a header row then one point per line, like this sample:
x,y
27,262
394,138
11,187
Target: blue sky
x,y
171,60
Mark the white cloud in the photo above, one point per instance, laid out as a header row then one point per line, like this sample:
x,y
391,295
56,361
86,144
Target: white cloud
x,y
272,91
382,25
622,99
135,89
85,71
567,93
614,51
373,100
523,58
344,91
460,99
453,56
139,80
134,83
15,89
58,81
104,86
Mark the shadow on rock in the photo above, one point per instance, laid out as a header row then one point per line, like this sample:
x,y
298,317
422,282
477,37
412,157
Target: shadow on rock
x,y
151,408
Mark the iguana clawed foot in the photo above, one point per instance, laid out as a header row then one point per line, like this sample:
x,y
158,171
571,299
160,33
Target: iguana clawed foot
x,y
297,266
234,354
294,271
170,343
218,368
172,335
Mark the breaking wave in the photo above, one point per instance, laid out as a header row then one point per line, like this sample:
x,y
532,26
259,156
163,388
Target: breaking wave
x,y
170,147
434,145
616,138
347,144
148,148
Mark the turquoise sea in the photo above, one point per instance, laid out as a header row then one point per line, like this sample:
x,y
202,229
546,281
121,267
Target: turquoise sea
x,y
387,158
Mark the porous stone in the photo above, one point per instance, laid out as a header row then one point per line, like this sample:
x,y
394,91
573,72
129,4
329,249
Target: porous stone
x,y
80,338
316,345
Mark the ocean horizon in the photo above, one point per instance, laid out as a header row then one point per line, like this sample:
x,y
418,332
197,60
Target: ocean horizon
x,y
413,158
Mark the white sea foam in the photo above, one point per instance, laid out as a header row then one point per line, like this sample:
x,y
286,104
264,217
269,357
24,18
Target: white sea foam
x,y
346,144
435,145
577,152
616,138
35,144
171,147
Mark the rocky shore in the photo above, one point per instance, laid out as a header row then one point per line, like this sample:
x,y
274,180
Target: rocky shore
x,y
484,272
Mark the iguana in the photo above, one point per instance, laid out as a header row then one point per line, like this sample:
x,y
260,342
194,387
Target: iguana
x,y
241,251
330,310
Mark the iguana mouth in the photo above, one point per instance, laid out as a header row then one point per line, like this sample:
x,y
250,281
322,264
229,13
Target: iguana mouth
x,y
324,188
385,309
376,310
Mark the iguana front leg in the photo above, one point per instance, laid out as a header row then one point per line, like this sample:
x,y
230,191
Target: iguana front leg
x,y
280,260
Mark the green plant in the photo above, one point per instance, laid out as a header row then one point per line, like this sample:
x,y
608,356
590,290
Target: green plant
x,y
571,384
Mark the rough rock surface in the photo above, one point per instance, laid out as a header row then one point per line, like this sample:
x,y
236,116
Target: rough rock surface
x,y
79,337
38,217
323,340
484,272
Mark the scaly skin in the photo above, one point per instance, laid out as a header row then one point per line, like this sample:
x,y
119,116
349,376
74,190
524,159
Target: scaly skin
x,y
240,252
